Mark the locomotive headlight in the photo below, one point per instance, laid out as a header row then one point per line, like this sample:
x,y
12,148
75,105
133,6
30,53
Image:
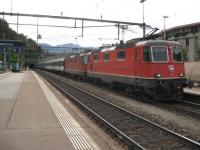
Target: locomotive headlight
x,y
158,75
181,75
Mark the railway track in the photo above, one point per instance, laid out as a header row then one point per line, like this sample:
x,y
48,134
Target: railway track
x,y
135,131
192,98
190,104
188,107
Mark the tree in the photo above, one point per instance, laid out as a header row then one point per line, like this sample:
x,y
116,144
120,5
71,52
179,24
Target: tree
x,y
6,33
1,56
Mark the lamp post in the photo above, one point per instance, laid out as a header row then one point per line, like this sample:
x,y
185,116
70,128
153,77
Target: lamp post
x,y
142,1
164,17
11,6
75,40
100,41
37,31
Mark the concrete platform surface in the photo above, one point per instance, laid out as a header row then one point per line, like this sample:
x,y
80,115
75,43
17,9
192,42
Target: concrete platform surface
x,y
32,118
195,91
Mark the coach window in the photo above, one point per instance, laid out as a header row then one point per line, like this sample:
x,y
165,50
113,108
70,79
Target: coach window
x,y
177,54
121,55
96,57
106,57
147,54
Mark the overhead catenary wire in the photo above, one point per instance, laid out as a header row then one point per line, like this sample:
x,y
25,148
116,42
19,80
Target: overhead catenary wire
x,y
58,26
94,8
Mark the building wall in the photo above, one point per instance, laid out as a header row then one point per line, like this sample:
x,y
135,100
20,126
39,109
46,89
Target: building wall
x,y
191,48
189,37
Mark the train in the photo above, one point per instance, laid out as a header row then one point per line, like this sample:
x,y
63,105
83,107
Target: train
x,y
15,66
151,67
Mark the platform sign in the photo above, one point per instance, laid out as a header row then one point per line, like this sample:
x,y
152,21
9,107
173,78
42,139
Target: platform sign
x,y
14,44
6,45
2,49
17,49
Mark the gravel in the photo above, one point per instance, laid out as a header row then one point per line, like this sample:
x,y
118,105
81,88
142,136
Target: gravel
x,y
184,125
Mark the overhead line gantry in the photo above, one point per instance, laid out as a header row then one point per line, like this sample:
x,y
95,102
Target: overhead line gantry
x,y
117,23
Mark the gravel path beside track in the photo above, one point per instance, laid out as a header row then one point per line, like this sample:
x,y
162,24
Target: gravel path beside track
x,y
183,125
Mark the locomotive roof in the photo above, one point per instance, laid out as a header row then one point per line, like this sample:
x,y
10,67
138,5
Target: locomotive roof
x,y
108,49
157,42
84,54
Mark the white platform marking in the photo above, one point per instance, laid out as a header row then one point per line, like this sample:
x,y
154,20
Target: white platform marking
x,y
68,123
192,92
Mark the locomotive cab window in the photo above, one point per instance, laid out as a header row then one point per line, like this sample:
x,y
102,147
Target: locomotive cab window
x,y
121,55
159,53
177,54
106,57
85,59
96,57
147,54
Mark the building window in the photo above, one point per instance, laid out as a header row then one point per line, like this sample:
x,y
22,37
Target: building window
x,y
187,42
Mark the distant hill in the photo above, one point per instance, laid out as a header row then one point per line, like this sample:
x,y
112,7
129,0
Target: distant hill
x,y
44,45
64,48
70,45
60,49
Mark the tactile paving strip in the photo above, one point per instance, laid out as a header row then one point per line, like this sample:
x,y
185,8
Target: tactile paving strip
x,y
66,120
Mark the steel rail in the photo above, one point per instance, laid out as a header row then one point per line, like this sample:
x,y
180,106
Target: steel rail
x,y
131,114
131,143
192,97
188,107
189,103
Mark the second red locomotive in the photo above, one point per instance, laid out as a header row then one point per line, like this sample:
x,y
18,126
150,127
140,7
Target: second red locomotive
x,y
154,67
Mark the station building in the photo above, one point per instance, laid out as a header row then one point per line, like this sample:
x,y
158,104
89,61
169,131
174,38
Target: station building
x,y
189,37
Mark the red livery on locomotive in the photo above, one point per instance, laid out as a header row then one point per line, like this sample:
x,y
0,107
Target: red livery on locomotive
x,y
154,67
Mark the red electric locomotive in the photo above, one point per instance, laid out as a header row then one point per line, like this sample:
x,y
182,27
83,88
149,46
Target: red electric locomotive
x,y
154,67
76,64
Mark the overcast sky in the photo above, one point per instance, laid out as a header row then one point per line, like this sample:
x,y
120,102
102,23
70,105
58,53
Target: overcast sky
x,y
179,11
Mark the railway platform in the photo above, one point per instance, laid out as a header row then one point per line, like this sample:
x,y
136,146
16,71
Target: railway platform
x,y
195,91
34,116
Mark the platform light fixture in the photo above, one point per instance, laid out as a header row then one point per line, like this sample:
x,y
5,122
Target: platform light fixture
x,y
11,3
165,17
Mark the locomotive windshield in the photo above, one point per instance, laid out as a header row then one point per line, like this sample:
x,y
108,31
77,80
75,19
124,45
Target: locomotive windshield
x,y
155,54
177,54
159,53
